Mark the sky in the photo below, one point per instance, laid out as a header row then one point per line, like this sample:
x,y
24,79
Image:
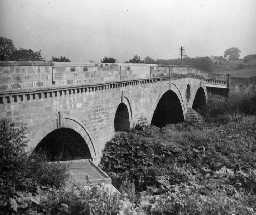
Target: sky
x,y
86,30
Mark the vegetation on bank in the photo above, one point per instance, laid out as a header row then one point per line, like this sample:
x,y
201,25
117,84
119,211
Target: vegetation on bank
x,y
207,168
31,185
23,175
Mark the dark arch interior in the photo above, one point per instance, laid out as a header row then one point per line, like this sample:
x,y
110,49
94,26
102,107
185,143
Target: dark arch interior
x,y
188,92
63,144
121,121
168,110
199,103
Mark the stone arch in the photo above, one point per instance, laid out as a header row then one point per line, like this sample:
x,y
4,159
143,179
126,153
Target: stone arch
x,y
168,110
63,144
199,102
127,102
122,119
67,124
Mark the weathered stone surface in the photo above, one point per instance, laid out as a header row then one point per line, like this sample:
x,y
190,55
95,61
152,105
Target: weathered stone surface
x,y
90,110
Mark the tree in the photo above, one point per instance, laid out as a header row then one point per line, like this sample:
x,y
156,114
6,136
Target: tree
x,y
232,53
250,58
149,60
61,59
202,63
9,52
26,55
135,59
108,60
6,48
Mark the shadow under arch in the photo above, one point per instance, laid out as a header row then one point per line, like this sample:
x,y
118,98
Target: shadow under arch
x,y
121,120
199,103
168,110
63,144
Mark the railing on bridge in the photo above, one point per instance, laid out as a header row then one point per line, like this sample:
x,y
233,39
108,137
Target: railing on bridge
x,y
218,80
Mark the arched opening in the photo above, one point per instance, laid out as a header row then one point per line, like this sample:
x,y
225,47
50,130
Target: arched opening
x,y
188,92
199,103
168,110
63,144
121,121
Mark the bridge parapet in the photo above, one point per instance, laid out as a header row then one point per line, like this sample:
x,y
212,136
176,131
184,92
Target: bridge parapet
x,y
37,76
217,80
15,96
216,83
175,72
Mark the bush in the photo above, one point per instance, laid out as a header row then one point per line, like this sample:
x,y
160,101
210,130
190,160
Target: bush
x,y
12,159
45,173
133,157
88,200
202,169
222,110
93,199
186,200
21,172
248,105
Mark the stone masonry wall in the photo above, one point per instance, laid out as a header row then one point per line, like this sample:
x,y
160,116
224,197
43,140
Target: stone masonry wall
x,y
95,110
17,76
45,97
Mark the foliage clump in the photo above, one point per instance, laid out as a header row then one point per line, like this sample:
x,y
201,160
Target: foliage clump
x,y
93,199
187,168
20,172
8,52
222,110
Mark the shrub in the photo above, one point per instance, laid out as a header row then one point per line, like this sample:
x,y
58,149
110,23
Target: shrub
x,y
222,110
180,150
88,200
12,159
133,157
45,173
186,200
19,171
248,105
244,180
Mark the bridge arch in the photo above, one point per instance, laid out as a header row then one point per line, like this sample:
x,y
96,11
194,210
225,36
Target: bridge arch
x,y
69,127
122,119
169,110
199,102
63,144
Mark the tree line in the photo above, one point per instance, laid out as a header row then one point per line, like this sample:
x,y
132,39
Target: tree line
x,y
8,52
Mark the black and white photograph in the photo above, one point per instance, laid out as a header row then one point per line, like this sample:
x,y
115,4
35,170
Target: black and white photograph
x,y
127,107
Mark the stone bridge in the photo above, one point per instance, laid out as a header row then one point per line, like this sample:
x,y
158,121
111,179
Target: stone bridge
x,y
72,110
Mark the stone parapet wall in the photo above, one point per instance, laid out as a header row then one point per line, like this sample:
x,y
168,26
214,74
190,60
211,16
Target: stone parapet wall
x,y
15,76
